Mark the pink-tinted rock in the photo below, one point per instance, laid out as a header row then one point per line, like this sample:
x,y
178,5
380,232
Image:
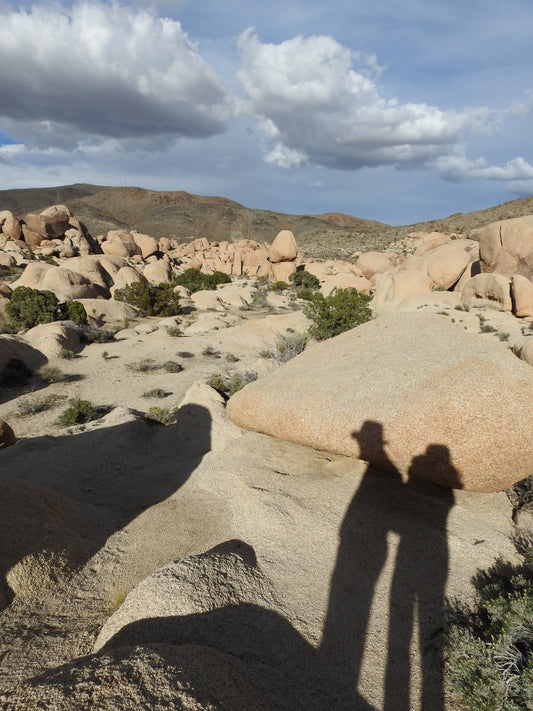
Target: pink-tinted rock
x,y
445,264
430,241
407,391
522,296
489,291
158,272
372,263
391,290
281,271
9,225
147,244
507,247
284,247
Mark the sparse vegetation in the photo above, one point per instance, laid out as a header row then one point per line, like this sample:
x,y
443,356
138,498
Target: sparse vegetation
x,y
92,334
143,365
156,392
35,405
231,382
231,358
278,286
487,328
51,374
211,352
149,299
162,414
342,310
195,280
490,647
66,354
185,354
290,346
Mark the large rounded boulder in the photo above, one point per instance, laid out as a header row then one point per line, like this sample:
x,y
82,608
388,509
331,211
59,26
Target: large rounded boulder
x,y
410,392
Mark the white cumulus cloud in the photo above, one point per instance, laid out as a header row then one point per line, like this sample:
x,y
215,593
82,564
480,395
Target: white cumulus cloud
x,y
98,70
321,102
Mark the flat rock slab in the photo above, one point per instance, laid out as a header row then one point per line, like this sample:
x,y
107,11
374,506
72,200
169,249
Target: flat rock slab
x,y
409,392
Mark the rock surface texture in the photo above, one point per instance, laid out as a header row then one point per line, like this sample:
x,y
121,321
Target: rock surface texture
x,y
449,408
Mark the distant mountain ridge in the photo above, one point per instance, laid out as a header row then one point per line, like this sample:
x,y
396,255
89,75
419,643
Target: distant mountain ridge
x,y
186,216
176,214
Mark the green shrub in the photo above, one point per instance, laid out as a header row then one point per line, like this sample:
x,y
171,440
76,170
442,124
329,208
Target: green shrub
x,y
278,286
29,307
305,280
174,331
15,372
74,311
490,647
341,311
195,280
487,328
78,412
149,299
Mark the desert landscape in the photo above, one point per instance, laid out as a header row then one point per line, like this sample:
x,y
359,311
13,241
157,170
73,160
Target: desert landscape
x,y
257,461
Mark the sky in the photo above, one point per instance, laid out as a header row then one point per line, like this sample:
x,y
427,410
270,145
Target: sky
x,y
393,111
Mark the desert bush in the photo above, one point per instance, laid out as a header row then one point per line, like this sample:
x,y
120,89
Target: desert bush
x,y
30,307
174,331
51,373
185,354
172,366
490,646
92,334
305,280
149,299
66,354
156,392
278,286
162,414
73,311
290,346
143,365
211,352
231,358
231,382
10,274
78,412
341,311
195,280
487,328
15,372
521,494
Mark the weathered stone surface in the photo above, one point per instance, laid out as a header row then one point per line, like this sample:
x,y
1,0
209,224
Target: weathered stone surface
x,y
9,224
428,241
490,291
445,264
147,244
391,290
56,220
515,237
392,396
284,247
372,263
51,338
158,272
64,283
281,271
128,275
522,296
